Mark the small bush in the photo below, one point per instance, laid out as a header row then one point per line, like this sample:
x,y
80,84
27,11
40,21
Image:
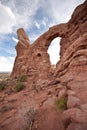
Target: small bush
x,y
61,104
36,87
30,118
22,78
18,87
2,85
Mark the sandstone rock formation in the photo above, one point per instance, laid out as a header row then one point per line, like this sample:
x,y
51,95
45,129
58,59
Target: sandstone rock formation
x,y
72,69
70,75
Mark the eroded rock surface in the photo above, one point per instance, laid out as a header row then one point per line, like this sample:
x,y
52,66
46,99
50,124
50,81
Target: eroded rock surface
x,y
69,79
72,69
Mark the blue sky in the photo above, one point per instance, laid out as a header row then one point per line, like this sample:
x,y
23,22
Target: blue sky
x,y
35,16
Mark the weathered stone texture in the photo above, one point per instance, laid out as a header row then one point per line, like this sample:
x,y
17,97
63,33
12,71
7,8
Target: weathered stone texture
x,y
33,61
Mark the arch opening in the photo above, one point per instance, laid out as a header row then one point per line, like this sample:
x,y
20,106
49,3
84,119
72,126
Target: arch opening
x,y
54,50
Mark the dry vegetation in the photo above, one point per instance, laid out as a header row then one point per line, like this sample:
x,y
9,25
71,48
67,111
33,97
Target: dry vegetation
x,y
12,85
4,76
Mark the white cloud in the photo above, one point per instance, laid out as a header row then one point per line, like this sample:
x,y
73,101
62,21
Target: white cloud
x,y
61,10
37,25
7,19
6,63
53,50
15,14
45,21
23,13
14,39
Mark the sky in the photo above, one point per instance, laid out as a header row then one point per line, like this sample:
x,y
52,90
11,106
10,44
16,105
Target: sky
x,y
35,16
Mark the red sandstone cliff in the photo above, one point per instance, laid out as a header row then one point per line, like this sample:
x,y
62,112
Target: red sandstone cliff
x,y
68,80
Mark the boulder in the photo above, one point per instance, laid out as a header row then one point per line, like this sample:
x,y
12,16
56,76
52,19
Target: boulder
x,y
73,102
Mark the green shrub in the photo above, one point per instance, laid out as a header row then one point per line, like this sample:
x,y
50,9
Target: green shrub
x,y
18,87
2,85
22,78
61,104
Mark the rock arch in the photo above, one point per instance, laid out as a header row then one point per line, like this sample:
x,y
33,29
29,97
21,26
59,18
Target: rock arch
x,y
34,58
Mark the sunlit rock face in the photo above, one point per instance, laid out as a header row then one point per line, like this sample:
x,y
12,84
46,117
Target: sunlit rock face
x,y
33,60
34,57
72,69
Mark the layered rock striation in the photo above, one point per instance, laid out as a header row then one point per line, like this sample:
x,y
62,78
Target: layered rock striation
x,y
71,71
